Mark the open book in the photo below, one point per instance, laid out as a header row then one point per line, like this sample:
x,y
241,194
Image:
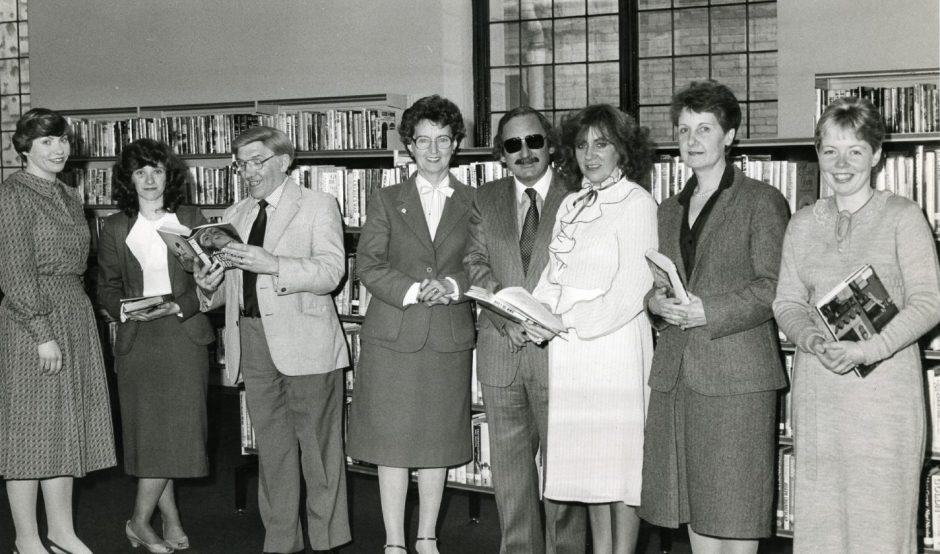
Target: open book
x,y
665,276
519,305
203,243
856,309
144,304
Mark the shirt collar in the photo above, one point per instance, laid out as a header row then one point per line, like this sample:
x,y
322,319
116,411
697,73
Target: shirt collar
x,y
541,186
275,196
444,186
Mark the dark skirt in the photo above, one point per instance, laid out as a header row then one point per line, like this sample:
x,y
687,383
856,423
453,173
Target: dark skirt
x,y
709,462
411,409
162,386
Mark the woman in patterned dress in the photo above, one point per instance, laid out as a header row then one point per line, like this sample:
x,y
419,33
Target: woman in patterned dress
x,y
55,416
596,280
160,356
859,442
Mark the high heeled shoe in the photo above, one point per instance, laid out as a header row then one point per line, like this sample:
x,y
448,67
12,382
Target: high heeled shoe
x,y
156,548
424,539
54,548
179,543
387,546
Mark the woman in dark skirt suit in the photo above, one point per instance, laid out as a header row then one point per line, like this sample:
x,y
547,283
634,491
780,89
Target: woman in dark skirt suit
x,y
55,414
710,430
411,405
160,355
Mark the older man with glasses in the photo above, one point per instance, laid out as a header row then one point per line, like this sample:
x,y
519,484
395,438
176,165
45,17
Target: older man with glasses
x,y
510,228
284,337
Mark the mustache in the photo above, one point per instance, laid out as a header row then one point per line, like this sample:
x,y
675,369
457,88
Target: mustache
x,y
529,160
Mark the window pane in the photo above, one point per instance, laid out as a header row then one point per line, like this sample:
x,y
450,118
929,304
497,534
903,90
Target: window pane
x,y
731,71
690,69
494,126
565,8
535,9
603,38
9,42
570,89
763,75
504,89
763,120
689,3
729,29
763,23
7,10
24,39
604,83
8,156
658,120
715,2
654,4
9,112
504,44
10,76
502,10
655,81
24,75
691,31
603,6
655,34
742,130
570,37
537,41
537,87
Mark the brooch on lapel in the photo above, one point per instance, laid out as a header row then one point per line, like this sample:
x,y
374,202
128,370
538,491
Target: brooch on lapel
x,y
404,210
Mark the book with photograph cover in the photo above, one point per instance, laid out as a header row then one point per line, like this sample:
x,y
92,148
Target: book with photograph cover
x,y
519,305
665,276
203,243
856,309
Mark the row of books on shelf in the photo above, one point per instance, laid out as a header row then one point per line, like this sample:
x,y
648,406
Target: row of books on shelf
x,y
353,297
333,129
798,181
930,507
910,109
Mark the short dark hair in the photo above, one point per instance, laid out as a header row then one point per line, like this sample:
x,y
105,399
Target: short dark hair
x,y
548,130
434,108
274,139
856,114
632,142
36,123
708,97
141,153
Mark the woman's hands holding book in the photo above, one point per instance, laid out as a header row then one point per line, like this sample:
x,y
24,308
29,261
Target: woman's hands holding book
x,y
209,277
158,311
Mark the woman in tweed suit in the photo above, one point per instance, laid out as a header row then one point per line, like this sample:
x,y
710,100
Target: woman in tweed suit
x,y
596,279
710,436
859,442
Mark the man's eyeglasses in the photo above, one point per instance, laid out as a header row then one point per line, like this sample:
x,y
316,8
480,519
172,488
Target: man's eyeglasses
x,y
254,165
534,142
443,142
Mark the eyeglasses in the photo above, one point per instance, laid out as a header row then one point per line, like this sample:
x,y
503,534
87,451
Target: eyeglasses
x,y
443,142
534,142
254,165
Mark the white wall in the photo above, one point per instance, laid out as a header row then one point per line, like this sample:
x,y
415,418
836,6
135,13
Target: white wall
x,y
836,36
108,53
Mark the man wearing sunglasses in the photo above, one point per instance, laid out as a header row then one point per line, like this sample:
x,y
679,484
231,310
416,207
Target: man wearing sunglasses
x,y
510,228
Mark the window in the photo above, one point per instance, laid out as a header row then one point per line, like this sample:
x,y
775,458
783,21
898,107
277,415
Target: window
x,y
731,41
560,55
14,79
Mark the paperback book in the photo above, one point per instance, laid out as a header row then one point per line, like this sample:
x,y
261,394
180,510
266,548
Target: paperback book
x,y
203,244
519,305
665,276
144,304
857,309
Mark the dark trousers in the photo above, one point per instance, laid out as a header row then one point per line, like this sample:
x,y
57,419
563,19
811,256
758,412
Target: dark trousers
x,y
298,423
518,424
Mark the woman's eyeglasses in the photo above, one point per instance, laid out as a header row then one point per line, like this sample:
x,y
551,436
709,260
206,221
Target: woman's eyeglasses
x,y
534,142
443,142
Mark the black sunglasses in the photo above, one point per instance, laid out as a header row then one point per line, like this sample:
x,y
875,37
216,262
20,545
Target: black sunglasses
x,y
534,142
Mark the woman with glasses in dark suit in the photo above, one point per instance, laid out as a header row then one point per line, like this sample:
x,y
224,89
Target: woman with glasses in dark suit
x,y
411,405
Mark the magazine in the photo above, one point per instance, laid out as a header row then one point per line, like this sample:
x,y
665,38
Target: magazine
x,y
856,309
519,305
203,243
665,276
144,304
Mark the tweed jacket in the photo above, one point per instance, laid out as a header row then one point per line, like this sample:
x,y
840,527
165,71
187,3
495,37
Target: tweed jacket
x,y
737,263
121,276
493,262
395,250
301,326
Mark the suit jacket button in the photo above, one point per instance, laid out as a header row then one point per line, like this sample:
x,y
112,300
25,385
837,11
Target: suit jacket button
x,y
283,289
428,270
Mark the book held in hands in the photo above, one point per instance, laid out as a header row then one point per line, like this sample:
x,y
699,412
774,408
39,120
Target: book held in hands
x,y
203,243
518,304
144,304
666,276
857,309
